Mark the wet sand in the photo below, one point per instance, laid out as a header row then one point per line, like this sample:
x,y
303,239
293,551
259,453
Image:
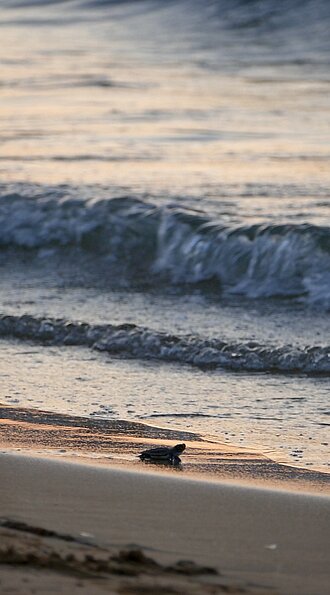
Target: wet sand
x,y
80,513
118,443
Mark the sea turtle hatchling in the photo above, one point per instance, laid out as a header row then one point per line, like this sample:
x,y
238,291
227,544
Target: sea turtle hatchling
x,y
163,454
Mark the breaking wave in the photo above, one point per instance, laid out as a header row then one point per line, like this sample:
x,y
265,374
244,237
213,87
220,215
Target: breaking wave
x,y
176,246
132,341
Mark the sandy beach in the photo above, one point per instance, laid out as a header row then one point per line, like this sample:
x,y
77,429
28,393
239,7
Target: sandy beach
x,y
80,513
236,539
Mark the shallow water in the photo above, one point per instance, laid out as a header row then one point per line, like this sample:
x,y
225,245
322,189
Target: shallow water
x,y
234,408
166,165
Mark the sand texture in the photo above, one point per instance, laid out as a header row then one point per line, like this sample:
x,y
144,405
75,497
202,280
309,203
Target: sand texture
x,y
257,540
44,561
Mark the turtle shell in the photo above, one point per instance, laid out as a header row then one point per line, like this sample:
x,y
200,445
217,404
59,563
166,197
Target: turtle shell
x,y
163,454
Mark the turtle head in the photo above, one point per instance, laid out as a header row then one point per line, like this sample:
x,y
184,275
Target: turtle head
x,y
179,448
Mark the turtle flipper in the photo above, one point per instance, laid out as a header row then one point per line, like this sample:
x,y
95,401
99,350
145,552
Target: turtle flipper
x,y
176,461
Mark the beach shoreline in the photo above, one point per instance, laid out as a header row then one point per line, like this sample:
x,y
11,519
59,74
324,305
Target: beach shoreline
x,y
164,258
80,512
117,443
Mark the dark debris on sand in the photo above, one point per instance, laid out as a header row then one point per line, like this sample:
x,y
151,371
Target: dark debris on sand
x,y
33,554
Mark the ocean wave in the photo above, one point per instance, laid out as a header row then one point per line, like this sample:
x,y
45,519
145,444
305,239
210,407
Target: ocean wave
x,y
153,243
132,341
295,30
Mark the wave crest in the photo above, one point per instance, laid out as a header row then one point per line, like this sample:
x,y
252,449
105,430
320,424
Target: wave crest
x,y
130,340
179,246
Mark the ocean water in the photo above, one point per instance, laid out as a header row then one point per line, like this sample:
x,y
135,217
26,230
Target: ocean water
x,y
165,216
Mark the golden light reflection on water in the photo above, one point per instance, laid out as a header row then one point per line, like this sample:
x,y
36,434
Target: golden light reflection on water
x,y
79,110
74,382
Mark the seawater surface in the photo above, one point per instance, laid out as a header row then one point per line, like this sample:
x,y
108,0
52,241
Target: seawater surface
x,y
165,216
